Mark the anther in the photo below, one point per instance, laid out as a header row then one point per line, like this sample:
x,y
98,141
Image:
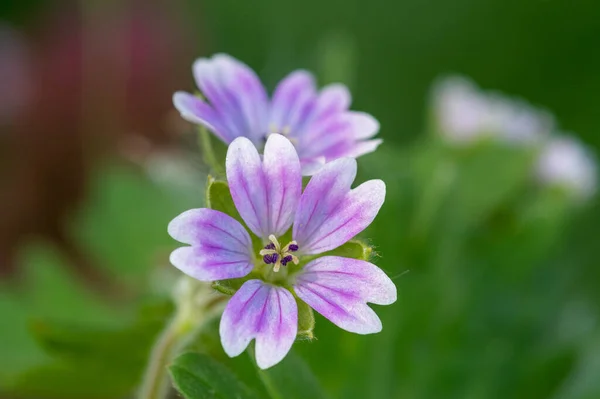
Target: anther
x,y
274,254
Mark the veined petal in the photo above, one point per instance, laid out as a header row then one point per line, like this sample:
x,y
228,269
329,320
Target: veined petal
x,y
340,135
265,193
283,176
293,102
339,288
247,184
263,312
235,93
330,213
220,246
195,110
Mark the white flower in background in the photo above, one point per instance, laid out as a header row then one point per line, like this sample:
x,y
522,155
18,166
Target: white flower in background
x,y
565,162
466,114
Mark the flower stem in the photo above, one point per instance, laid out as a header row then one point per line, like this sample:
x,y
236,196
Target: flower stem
x,y
155,382
196,304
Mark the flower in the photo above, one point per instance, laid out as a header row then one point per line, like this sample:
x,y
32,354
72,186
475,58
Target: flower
x,y
565,162
465,114
319,124
267,192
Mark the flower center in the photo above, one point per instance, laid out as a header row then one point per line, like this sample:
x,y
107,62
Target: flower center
x,y
279,256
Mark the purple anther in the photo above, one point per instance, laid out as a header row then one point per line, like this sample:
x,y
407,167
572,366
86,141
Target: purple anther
x,y
285,260
270,246
268,259
293,247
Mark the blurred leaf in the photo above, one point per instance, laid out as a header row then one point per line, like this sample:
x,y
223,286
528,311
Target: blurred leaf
x,y
124,223
88,361
488,175
554,369
49,292
291,379
198,376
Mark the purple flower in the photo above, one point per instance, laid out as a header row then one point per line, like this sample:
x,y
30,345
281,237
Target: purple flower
x,y
236,104
267,192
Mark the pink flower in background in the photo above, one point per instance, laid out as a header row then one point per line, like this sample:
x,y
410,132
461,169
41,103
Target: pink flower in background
x,y
318,123
268,194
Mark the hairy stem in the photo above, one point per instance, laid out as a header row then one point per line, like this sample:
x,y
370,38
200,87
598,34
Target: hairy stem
x,y
196,304
155,383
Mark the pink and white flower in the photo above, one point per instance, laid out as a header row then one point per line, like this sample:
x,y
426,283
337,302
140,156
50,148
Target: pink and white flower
x,y
267,192
565,162
465,114
318,123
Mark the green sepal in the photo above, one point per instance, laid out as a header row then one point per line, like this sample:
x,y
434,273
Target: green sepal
x,y
306,321
213,151
219,198
354,249
226,287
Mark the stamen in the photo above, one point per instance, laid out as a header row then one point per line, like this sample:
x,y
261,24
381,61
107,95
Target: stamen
x,y
273,254
285,260
274,241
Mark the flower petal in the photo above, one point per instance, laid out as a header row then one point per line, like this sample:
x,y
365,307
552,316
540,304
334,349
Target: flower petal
x,y
339,289
362,148
293,102
329,213
310,166
236,94
364,125
195,110
266,194
263,312
220,246
340,135
283,176
332,99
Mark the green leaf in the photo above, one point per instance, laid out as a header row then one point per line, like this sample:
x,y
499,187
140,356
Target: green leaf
x,y
198,376
306,320
291,379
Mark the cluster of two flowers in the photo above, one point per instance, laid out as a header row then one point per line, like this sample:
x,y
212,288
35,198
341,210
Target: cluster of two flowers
x,y
302,132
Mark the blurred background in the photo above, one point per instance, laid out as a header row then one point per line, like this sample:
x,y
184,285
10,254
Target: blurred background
x,y
497,269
